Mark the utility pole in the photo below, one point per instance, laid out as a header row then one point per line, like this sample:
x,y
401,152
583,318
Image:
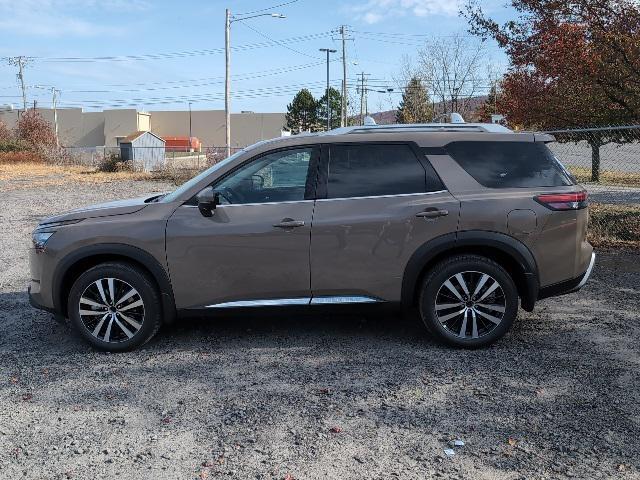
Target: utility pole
x,y
229,19
363,96
343,105
20,62
227,81
54,103
329,51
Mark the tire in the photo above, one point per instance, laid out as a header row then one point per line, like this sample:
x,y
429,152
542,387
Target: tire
x,y
129,322
473,318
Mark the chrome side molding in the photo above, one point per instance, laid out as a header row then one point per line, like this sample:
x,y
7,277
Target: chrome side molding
x,y
278,302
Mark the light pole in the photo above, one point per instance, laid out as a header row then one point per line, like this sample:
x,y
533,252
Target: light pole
x,y
229,19
189,148
329,51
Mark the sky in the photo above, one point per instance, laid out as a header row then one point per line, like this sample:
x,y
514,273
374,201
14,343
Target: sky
x,y
161,55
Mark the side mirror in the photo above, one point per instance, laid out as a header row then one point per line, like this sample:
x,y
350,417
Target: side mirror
x,y
208,200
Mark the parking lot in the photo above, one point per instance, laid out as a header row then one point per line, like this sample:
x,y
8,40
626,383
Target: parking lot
x,y
314,397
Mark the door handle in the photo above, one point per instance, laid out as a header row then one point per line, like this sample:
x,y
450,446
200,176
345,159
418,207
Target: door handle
x,y
289,223
432,213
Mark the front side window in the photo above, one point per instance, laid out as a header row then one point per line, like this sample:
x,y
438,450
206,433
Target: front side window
x,y
373,170
510,164
275,177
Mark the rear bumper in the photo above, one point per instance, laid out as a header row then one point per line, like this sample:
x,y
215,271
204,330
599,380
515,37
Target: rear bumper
x,y
568,286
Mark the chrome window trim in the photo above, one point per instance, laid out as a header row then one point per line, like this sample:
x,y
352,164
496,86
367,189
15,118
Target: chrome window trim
x,y
225,205
382,196
275,302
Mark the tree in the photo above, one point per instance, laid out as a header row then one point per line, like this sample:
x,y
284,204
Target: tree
x,y
33,129
451,67
335,106
302,113
414,106
574,63
489,107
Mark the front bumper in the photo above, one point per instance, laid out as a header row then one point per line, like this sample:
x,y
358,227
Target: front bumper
x,y
36,300
568,286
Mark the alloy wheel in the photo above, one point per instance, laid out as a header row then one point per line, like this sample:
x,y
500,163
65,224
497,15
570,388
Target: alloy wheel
x,y
112,310
470,304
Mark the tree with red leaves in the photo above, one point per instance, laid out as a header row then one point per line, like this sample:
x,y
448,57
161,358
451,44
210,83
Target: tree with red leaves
x,y
573,64
35,130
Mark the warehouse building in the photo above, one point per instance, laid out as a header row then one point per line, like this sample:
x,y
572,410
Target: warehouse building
x,y
107,128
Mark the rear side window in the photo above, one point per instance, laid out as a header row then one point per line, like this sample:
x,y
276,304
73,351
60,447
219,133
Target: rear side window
x,y
373,170
510,164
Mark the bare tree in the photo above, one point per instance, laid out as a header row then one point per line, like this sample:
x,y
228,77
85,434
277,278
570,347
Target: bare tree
x,y
451,67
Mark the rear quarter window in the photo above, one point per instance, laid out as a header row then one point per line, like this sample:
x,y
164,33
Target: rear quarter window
x,y
510,164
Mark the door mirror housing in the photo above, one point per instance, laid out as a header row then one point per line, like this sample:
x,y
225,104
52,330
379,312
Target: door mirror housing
x,y
208,200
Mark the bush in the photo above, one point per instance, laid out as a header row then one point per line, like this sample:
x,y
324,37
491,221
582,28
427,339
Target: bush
x,y
33,129
5,133
113,163
20,157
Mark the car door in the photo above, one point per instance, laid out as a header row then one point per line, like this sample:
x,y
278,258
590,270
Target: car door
x,y
254,249
376,204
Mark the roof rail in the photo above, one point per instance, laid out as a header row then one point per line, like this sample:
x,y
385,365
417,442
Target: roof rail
x,y
424,127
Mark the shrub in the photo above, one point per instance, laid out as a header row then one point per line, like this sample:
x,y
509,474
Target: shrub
x,y
113,163
5,133
20,157
35,130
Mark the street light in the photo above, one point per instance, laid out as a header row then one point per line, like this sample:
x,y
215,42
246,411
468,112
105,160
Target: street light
x,y
328,50
229,19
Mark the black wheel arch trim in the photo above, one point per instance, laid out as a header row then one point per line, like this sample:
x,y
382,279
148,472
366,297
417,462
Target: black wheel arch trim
x,y
121,250
473,238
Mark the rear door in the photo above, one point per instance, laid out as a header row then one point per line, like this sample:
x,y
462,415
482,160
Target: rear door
x,y
254,249
377,203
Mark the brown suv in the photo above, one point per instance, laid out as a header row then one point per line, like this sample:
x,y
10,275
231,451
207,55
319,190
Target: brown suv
x,y
456,220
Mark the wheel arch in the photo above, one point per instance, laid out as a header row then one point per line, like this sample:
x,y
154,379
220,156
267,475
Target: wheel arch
x,y
507,251
71,266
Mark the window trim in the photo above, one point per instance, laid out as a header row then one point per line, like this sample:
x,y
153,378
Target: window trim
x,y
310,182
421,159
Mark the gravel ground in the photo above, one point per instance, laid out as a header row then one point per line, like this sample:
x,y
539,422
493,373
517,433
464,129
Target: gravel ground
x,y
313,397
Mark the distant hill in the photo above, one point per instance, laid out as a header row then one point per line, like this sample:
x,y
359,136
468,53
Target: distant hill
x,y
389,116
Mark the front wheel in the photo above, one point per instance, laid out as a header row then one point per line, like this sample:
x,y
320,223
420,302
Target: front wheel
x,y
115,307
468,301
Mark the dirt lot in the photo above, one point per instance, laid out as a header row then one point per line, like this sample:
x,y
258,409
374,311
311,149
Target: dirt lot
x,y
312,398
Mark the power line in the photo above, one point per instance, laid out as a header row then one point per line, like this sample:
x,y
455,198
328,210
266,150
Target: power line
x,y
186,53
269,8
278,42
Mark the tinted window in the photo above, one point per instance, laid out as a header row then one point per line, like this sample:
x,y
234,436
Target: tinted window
x,y
373,170
275,177
509,164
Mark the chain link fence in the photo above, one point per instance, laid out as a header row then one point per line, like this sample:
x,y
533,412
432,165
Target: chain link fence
x,y
606,161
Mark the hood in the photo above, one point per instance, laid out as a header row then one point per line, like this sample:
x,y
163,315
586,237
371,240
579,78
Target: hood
x,y
118,207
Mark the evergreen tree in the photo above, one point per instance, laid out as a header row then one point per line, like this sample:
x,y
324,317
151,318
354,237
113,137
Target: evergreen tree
x,y
415,106
335,105
302,113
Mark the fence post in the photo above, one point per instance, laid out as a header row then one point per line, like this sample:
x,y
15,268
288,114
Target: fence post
x,y
595,162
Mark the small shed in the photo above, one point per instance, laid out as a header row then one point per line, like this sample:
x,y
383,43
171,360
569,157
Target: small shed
x,y
144,149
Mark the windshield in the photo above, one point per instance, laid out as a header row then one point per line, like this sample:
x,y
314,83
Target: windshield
x,y
173,196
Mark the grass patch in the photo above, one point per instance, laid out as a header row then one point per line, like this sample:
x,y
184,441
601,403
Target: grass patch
x,y
614,225
28,175
625,179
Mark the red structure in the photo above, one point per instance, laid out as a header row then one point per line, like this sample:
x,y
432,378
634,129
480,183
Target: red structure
x,y
181,144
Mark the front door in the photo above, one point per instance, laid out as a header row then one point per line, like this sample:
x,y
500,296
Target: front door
x,y
377,204
254,249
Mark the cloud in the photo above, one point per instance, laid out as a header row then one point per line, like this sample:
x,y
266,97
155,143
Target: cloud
x,y
373,11
58,18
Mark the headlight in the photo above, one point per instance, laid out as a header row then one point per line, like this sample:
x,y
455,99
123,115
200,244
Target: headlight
x,y
40,239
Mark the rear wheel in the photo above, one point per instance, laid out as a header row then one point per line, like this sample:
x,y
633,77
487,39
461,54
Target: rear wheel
x,y
115,307
468,301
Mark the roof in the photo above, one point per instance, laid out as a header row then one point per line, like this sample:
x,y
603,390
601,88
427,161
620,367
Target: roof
x,y
132,136
421,127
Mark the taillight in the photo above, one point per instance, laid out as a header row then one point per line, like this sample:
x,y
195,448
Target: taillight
x,y
563,201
